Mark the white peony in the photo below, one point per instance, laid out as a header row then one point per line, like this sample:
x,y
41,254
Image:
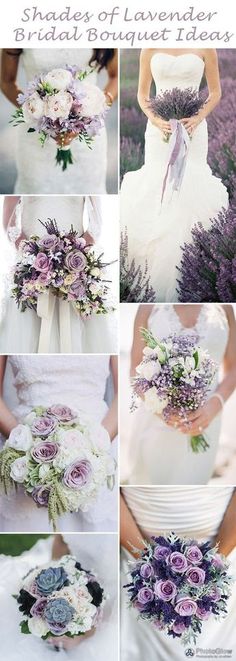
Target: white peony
x,y
59,79
94,103
147,370
38,627
153,403
33,108
19,469
20,438
58,106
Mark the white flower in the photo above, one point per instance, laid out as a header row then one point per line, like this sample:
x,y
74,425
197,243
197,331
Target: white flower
x,y
149,369
30,418
19,469
160,354
189,363
95,288
59,79
95,272
37,626
58,105
83,594
43,471
33,108
20,438
153,403
94,103
148,351
99,436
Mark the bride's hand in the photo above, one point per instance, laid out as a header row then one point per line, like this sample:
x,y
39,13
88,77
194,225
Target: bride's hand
x,y
65,139
191,123
161,124
69,643
198,421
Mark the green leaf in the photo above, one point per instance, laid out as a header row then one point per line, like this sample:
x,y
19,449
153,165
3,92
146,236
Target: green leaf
x,y
24,626
196,358
31,130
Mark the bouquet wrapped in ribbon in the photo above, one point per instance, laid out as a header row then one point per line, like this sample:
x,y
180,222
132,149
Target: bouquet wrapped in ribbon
x,y
60,599
174,378
61,462
177,584
172,106
59,104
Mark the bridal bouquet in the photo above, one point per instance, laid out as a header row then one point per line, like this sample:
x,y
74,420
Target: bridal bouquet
x,y
176,104
177,584
174,378
60,599
60,462
61,103
62,263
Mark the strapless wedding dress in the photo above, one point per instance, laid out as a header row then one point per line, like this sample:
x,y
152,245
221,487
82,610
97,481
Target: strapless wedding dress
x,y
76,381
36,168
194,512
102,558
159,454
156,232
20,331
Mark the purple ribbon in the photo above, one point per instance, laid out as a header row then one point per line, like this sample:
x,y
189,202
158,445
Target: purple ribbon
x,y
178,146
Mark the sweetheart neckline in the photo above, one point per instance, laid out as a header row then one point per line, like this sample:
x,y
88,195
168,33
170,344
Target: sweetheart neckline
x,y
176,57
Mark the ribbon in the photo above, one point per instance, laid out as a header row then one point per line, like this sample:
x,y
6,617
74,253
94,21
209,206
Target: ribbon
x,y
45,310
178,147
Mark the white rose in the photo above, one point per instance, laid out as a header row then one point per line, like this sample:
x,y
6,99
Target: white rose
x,y
59,79
58,106
33,108
149,369
94,103
19,469
43,471
20,438
99,436
95,272
37,626
153,403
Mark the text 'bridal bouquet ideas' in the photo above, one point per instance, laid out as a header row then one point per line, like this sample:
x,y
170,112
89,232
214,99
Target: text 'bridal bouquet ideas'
x,y
59,104
60,599
174,378
59,461
62,263
177,584
172,106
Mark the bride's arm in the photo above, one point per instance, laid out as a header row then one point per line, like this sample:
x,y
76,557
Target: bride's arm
x,y
9,68
130,534
7,420
111,89
110,421
59,548
214,90
226,535
144,87
93,203
141,321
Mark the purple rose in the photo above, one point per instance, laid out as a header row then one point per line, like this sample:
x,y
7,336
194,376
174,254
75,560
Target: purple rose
x,y
49,242
43,425
178,627
218,562
202,613
178,562
165,590
75,260
77,290
195,576
44,452
146,570
186,607
40,496
37,609
145,595
44,278
80,243
161,552
215,594
42,263
78,474
62,413
194,555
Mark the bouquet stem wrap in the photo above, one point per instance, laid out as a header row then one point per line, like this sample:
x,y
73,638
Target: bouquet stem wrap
x,y
178,148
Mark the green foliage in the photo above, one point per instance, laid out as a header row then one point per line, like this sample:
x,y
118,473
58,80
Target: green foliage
x,y
16,544
24,626
57,504
7,456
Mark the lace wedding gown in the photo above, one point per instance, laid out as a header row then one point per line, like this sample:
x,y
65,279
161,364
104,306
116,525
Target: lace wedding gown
x,y
102,558
157,231
159,454
79,382
36,168
194,512
22,332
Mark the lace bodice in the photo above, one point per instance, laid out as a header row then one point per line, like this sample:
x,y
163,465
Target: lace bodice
x,y
181,71
40,60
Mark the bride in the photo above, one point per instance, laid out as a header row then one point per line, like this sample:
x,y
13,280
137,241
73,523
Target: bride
x,y
36,170
99,643
62,329
160,452
200,513
158,230
82,383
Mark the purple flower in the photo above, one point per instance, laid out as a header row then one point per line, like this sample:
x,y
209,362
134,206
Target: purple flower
x,y
49,242
186,607
217,561
165,590
75,260
40,496
179,627
176,103
194,555
146,570
178,562
44,278
44,452
43,425
77,290
42,262
202,613
215,594
195,576
62,413
78,474
145,595
161,552
37,609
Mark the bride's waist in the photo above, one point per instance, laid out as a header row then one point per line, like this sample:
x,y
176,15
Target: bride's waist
x,y
92,406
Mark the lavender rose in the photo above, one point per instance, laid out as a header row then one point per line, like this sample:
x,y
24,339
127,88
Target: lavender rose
x,y
40,496
146,570
178,562
49,242
194,555
215,594
186,607
165,590
44,452
195,576
179,627
75,260
161,552
77,290
202,613
43,425
62,413
38,608
145,595
42,263
78,474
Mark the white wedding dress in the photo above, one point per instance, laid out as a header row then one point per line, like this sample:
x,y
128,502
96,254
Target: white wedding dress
x,y
159,454
36,167
102,558
23,332
156,232
194,512
76,381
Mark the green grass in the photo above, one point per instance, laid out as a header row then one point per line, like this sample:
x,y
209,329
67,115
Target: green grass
x,y
16,544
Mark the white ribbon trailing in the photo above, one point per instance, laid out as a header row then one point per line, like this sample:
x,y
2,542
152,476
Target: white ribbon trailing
x,y
178,149
46,307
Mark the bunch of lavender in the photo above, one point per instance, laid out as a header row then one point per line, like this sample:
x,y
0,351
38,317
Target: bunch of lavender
x,y
134,285
176,104
222,138
178,583
208,264
174,378
131,156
